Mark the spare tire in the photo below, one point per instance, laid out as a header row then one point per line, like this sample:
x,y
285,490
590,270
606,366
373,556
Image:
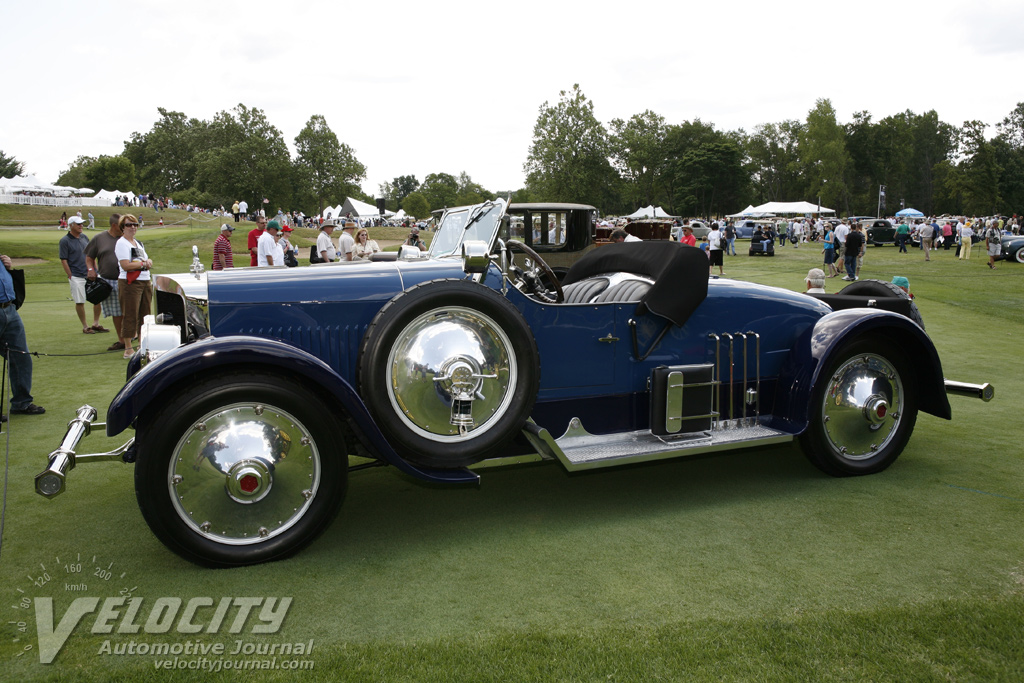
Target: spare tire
x,y
450,371
881,288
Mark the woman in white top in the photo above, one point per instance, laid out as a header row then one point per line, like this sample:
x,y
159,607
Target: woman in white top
x,y
364,247
133,287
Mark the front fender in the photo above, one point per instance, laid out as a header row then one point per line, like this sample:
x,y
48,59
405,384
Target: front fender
x,y
802,370
214,354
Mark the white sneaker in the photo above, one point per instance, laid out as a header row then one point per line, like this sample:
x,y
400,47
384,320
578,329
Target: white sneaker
x,y
847,277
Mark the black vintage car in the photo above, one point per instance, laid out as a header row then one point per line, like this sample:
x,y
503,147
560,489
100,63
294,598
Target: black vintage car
x,y
881,231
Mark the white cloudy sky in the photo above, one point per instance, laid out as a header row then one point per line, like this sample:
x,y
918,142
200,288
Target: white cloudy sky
x,y
455,85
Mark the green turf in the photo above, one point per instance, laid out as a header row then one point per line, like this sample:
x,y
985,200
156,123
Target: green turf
x,y
751,566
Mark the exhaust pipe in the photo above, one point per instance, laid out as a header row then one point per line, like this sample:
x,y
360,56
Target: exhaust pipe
x,y
50,482
983,391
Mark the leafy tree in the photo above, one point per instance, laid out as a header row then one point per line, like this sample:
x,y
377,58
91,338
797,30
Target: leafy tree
x,y
115,173
1009,151
773,161
568,158
440,190
167,156
415,204
638,154
980,171
823,152
470,192
704,172
74,175
9,166
246,158
329,167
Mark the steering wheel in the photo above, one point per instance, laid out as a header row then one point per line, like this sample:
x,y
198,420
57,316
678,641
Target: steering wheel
x,y
532,279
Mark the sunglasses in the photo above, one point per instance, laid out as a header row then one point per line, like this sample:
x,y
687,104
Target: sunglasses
x,y
131,225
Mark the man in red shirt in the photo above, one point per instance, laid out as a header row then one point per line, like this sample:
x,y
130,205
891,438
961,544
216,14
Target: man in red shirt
x,y
254,237
222,256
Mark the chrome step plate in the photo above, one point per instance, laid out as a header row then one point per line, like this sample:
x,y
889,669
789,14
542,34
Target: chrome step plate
x,y
579,450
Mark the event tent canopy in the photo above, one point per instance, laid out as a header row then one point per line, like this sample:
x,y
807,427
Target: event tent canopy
x,y
649,212
779,208
909,213
362,209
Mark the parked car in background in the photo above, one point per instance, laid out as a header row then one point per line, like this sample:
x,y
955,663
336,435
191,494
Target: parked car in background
x,y
745,227
881,231
256,392
1013,248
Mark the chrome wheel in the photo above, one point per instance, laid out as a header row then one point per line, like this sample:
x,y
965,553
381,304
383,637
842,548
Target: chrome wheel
x,y
861,410
243,474
451,374
450,371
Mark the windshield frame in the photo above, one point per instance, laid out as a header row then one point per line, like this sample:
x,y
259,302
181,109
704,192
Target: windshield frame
x,y
476,222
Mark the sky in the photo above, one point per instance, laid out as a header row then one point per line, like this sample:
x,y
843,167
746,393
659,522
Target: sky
x,y
451,86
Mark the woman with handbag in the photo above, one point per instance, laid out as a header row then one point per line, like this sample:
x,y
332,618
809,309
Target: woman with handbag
x,y
133,286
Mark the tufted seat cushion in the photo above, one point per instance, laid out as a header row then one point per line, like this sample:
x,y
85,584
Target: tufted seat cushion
x,y
624,292
584,291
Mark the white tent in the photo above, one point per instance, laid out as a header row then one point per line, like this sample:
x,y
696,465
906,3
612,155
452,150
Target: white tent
x,y
362,209
400,215
749,212
780,208
649,212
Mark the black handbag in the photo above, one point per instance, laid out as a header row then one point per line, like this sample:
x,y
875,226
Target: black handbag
x,y
290,260
313,256
97,291
18,278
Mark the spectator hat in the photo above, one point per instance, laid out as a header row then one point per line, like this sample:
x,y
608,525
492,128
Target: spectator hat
x,y
75,219
273,225
349,224
901,281
225,226
287,228
329,223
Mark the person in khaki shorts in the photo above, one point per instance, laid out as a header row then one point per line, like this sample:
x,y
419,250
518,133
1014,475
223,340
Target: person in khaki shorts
x,y
71,251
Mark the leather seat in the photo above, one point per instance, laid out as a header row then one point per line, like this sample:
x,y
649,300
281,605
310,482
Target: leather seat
x,y
584,291
624,292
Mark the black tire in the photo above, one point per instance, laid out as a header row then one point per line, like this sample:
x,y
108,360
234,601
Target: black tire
x,y
415,405
881,288
840,434
210,492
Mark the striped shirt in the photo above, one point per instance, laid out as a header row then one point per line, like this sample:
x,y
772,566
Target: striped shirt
x,y
222,246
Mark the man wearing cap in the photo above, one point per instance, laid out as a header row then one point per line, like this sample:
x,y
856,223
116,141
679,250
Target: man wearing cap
x,y
268,251
324,245
903,283
222,256
346,241
71,250
415,241
102,262
254,236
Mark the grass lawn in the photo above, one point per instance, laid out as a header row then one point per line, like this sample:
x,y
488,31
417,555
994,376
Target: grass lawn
x,y
752,566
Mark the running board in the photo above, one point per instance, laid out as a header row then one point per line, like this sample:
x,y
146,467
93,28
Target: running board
x,y
577,449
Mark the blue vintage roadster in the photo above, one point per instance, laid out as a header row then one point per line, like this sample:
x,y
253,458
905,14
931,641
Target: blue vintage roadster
x,y
256,391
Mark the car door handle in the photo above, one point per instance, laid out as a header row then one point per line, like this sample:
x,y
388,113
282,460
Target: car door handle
x,y
608,339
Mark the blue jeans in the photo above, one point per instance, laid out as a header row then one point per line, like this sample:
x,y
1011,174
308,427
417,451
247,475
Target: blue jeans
x,y
731,248
19,367
850,262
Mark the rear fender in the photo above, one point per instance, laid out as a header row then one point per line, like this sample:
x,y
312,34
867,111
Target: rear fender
x,y
158,379
815,348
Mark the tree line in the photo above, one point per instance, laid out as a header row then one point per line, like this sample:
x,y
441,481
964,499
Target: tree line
x,y
689,168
